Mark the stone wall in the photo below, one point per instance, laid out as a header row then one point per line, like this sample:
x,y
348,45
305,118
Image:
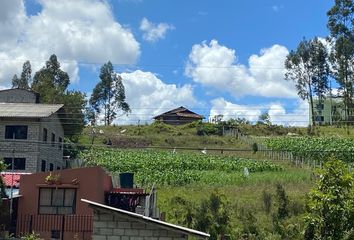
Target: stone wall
x,y
108,225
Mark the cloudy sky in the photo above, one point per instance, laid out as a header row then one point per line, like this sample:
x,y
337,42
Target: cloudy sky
x,y
214,57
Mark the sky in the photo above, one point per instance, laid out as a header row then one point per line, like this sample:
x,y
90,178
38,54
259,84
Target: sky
x,y
211,56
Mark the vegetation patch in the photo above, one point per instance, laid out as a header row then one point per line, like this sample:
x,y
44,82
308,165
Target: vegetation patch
x,y
169,168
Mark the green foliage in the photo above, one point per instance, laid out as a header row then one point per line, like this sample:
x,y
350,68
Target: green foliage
x,y
267,201
109,94
209,129
51,83
331,203
341,26
283,202
72,116
31,236
318,149
2,185
308,67
167,168
212,216
25,79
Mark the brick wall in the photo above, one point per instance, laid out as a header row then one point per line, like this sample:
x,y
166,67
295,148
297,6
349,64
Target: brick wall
x,y
112,226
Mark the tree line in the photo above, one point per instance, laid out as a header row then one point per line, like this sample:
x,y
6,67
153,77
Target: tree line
x,y
51,82
315,62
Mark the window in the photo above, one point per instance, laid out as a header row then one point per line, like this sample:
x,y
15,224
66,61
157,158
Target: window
x,y
45,135
320,106
51,166
55,234
319,118
19,163
57,201
60,143
58,168
43,165
53,139
16,132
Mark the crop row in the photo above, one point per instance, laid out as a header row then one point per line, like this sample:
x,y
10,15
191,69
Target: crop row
x,y
169,168
319,149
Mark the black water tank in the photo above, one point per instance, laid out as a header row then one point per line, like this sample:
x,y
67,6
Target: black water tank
x,y
126,180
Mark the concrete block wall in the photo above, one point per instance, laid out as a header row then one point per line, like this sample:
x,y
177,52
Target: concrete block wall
x,y
27,148
48,152
111,226
33,148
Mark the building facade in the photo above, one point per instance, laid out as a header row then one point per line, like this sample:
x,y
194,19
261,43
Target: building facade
x,y
328,111
49,203
31,135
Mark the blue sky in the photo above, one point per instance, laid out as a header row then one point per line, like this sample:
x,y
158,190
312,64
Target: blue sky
x,y
215,57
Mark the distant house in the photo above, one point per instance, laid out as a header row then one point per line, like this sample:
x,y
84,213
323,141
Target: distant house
x,y
31,135
328,111
178,116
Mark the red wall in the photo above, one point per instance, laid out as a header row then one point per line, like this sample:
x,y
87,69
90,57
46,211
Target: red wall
x,y
93,182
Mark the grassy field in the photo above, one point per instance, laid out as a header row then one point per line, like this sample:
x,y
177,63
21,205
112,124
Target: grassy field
x,y
245,196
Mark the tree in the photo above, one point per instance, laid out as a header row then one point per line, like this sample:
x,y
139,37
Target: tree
x,y
213,216
341,26
264,118
109,94
51,83
2,185
307,66
331,203
15,81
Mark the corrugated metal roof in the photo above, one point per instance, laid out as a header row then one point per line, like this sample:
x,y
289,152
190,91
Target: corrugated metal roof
x,y
28,110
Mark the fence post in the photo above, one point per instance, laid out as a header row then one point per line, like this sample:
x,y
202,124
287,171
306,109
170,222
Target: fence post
x,y
62,227
31,224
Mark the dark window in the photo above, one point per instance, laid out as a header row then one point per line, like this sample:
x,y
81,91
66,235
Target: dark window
x,y
60,143
51,166
19,163
43,166
58,168
320,106
319,118
53,139
57,201
45,135
16,132
55,234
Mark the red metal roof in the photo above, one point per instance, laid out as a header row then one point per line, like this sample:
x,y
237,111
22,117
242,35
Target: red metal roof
x,y
12,179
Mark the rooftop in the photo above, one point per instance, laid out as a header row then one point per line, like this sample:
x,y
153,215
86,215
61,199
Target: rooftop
x,y
28,110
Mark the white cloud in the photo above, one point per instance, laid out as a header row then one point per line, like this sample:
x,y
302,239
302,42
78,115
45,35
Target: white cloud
x,y
231,110
76,31
216,66
297,116
149,96
153,32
